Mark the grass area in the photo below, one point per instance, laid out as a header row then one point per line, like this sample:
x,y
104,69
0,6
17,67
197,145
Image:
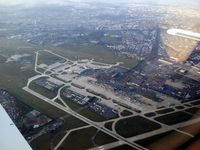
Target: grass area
x,y
111,40
150,140
164,111
150,114
41,70
174,118
38,104
42,90
108,125
59,102
123,147
10,47
126,113
83,110
192,110
48,72
133,126
48,58
41,142
180,107
102,138
70,122
83,139
12,79
49,140
196,102
79,140
90,51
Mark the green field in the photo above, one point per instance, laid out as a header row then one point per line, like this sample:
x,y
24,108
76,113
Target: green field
x,y
85,138
133,126
174,118
48,58
41,70
123,147
12,79
153,139
59,102
126,113
45,141
111,40
102,138
108,125
90,51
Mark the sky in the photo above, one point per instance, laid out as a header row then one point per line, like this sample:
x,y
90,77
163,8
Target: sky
x,y
29,2
61,2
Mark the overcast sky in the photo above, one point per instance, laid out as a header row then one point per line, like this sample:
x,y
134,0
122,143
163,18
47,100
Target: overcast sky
x,y
36,2
27,2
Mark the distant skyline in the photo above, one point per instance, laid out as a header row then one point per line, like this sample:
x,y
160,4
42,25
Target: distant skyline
x,y
189,3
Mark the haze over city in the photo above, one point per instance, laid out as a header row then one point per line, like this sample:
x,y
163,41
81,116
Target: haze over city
x,y
186,3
